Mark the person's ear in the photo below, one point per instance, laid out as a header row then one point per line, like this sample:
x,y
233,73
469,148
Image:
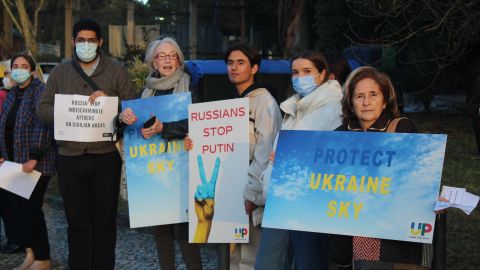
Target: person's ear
x,y
254,69
100,42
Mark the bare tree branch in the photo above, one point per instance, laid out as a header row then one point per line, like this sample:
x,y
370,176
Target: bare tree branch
x,y
7,4
446,29
37,11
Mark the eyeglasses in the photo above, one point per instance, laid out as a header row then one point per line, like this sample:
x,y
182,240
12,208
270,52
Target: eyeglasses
x,y
83,40
163,56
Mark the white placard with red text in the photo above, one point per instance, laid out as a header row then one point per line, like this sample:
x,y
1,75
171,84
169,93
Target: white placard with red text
x,y
219,131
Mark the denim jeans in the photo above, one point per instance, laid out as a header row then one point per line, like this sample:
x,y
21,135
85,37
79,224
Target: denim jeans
x,y
273,251
310,250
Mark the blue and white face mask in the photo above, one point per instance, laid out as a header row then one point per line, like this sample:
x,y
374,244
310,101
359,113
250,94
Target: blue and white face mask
x,y
86,51
304,85
20,75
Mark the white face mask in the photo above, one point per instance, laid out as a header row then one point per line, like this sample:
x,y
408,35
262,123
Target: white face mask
x,y
86,51
7,83
21,75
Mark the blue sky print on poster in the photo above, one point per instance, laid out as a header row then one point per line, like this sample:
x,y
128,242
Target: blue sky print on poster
x,y
157,170
316,183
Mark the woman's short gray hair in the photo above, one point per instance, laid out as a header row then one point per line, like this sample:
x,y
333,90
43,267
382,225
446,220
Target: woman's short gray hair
x,y
152,47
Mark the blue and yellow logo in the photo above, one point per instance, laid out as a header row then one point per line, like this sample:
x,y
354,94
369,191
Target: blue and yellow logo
x,y
421,229
241,233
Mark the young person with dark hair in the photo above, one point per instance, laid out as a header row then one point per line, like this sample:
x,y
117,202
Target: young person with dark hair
x,y
243,63
315,106
26,140
88,172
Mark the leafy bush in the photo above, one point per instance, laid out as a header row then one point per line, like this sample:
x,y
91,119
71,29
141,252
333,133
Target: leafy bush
x,y
138,71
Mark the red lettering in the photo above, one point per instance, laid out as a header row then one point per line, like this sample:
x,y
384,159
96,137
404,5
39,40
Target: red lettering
x,y
217,131
194,116
219,147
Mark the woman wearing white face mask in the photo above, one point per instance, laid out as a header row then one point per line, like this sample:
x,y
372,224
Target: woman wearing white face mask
x,y
315,106
26,140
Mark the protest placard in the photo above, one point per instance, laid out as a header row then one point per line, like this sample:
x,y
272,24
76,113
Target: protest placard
x,y
76,119
381,185
156,169
218,171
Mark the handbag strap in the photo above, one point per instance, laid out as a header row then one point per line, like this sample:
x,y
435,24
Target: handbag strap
x,y
85,77
393,125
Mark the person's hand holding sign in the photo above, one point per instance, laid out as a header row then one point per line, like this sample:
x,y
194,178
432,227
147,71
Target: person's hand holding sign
x,y
95,95
205,201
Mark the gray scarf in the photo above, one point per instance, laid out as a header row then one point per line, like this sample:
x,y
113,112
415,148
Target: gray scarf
x,y
179,81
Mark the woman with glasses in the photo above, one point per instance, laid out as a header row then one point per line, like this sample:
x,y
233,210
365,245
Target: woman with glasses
x,y
167,76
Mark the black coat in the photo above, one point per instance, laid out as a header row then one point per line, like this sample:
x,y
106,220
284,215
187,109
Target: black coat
x,y
391,251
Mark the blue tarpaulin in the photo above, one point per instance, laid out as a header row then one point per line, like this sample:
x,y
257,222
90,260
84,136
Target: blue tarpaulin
x,y
200,68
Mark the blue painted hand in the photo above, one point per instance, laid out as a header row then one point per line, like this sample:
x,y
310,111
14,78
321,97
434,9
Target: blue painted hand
x,y
206,190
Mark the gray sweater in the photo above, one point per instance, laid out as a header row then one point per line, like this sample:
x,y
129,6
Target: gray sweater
x,y
110,76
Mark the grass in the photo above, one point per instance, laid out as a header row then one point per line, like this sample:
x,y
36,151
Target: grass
x,y
461,169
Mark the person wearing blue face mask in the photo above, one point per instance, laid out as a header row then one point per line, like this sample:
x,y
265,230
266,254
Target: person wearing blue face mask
x,y
315,106
26,140
88,172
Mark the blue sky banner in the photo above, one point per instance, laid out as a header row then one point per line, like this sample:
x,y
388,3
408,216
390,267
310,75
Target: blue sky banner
x,y
381,185
218,171
157,170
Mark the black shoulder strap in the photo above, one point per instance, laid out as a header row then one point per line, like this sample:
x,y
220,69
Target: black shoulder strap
x,y
85,77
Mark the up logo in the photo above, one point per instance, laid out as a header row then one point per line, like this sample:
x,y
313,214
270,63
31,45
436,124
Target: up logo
x,y
421,230
240,233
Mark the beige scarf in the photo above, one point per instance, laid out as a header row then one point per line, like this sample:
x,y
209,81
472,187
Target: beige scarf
x,y
179,81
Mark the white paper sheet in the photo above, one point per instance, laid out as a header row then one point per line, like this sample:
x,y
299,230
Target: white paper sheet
x,y
458,198
13,179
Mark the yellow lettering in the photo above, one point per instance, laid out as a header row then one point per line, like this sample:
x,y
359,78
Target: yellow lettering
x,y
327,181
177,146
332,205
161,148
160,167
372,184
343,210
315,184
357,208
132,153
340,182
153,149
362,183
151,168
143,150
352,184
385,185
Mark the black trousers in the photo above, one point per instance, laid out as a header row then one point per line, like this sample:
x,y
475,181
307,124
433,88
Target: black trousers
x,y
36,234
90,185
164,236
10,205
